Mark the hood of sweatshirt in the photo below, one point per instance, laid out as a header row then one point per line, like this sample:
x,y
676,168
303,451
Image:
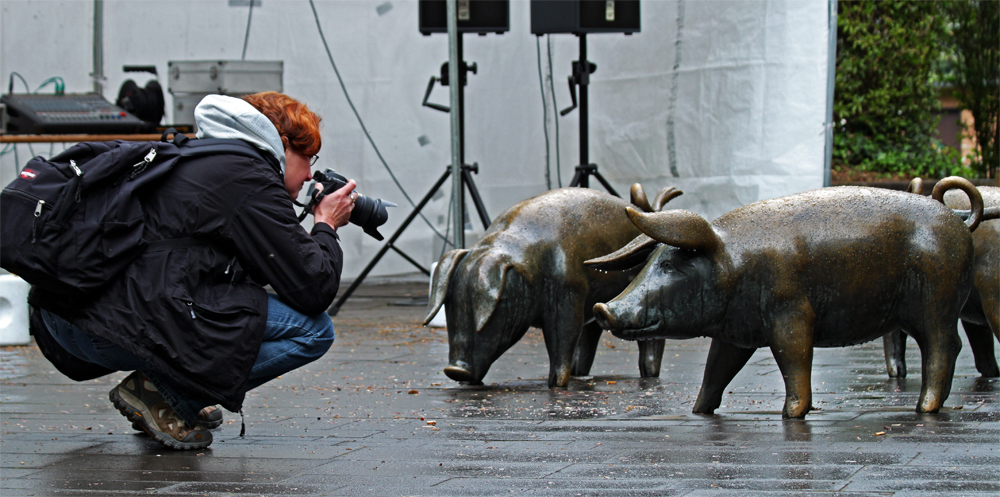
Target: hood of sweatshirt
x,y
219,116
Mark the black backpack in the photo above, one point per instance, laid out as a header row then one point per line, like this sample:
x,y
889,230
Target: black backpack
x,y
71,223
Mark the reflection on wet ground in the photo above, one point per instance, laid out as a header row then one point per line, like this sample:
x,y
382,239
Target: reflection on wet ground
x,y
377,416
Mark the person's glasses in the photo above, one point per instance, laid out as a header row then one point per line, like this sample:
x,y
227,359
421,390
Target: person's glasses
x,y
312,160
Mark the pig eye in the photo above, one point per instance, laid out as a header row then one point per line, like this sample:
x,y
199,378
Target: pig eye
x,y
667,265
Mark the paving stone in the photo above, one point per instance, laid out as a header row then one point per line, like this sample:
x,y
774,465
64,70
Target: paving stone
x,y
377,416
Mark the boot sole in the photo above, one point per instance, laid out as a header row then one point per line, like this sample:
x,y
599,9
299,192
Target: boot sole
x,y
121,400
211,425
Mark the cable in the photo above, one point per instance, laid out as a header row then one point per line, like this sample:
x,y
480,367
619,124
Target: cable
x,y
545,114
447,231
246,38
555,115
362,123
57,81
10,86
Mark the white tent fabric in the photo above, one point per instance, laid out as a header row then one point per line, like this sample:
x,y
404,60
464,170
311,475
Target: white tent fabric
x,y
724,100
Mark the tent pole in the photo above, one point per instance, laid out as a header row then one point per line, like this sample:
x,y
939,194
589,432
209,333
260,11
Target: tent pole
x,y
457,193
98,74
831,77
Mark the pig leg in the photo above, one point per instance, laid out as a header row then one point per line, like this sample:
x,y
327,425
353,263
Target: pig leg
x,y
939,347
724,361
561,329
650,353
792,347
586,349
650,357
795,365
991,308
894,345
981,342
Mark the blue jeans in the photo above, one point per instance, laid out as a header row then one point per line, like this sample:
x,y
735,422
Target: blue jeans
x,y
291,340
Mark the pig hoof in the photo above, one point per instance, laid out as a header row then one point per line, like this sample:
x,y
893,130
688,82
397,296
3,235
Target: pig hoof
x,y
459,373
989,371
794,413
649,371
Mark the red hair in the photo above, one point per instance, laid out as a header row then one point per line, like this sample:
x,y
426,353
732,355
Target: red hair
x,y
293,119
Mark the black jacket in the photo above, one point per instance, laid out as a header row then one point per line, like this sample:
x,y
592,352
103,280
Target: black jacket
x,y
198,313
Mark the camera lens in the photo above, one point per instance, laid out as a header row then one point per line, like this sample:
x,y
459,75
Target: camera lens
x,y
369,214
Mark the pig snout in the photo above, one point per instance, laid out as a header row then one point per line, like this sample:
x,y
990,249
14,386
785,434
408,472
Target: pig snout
x,y
604,317
462,371
459,371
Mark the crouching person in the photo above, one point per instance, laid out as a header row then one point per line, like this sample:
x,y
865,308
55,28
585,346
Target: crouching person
x,y
190,316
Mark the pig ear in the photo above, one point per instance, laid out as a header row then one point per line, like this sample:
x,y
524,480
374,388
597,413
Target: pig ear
x,y
916,186
627,257
439,285
489,287
679,228
662,197
665,195
639,198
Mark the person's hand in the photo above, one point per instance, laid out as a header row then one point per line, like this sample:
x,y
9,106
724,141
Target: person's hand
x,y
335,208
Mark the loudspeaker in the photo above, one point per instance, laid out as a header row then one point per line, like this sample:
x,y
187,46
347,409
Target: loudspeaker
x,y
474,16
584,16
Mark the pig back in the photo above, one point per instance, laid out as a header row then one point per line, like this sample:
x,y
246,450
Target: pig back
x,y
568,225
865,259
957,199
987,235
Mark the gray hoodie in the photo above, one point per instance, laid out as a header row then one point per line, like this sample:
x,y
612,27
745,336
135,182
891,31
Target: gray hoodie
x,y
219,116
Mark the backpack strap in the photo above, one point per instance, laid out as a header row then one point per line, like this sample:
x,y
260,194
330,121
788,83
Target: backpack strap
x,y
170,131
209,146
212,146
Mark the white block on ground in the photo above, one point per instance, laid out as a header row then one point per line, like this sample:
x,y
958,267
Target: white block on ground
x,y
14,311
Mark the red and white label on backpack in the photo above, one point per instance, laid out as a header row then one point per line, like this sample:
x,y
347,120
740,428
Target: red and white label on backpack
x,y
28,174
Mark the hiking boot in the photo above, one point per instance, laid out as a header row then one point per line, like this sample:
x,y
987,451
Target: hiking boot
x,y
209,417
139,401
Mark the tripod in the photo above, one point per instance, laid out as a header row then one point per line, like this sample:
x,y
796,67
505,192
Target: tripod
x,y
581,77
465,179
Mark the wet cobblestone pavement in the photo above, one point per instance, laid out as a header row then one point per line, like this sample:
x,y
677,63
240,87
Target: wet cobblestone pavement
x,y
376,416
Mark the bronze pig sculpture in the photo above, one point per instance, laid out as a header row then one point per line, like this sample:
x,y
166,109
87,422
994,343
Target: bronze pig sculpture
x,y
981,313
528,270
825,268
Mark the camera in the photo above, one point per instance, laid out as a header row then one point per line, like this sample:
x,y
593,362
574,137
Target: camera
x,y
368,213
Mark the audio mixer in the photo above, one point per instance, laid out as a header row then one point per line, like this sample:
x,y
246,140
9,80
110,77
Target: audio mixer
x,y
86,113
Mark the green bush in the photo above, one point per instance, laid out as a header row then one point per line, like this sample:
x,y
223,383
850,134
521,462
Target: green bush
x,y
974,71
884,100
862,153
